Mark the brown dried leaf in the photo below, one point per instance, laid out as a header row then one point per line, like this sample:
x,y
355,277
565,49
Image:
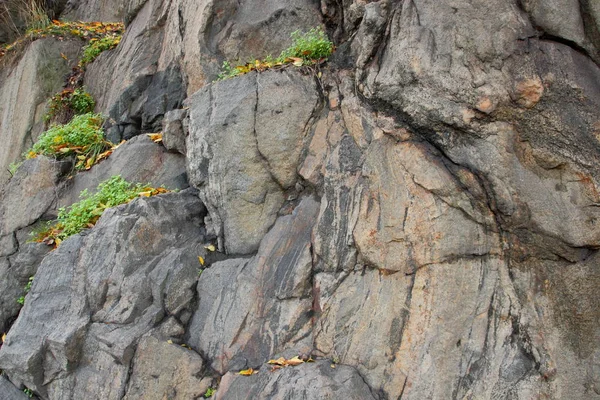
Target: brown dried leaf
x,y
248,372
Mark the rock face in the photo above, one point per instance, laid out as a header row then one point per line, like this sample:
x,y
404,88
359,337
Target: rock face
x,y
25,86
90,304
418,215
245,151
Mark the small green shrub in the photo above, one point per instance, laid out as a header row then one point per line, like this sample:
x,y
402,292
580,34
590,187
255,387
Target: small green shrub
x,y
86,212
209,392
311,46
13,167
28,392
308,48
83,137
68,103
27,288
96,47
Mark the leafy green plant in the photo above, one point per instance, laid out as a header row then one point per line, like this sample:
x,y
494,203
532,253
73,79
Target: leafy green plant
x,y
96,47
86,212
209,392
13,167
82,136
69,102
27,288
308,48
28,392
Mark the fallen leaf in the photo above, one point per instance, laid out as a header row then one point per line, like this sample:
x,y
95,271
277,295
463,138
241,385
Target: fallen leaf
x,y
64,56
201,260
280,361
146,194
3,337
170,341
210,247
248,372
294,361
155,137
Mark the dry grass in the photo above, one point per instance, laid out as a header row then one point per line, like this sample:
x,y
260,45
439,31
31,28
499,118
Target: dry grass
x,y
17,16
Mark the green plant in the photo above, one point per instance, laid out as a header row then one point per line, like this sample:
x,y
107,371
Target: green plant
x,y
82,136
28,392
69,102
27,288
209,392
86,212
13,167
96,47
310,46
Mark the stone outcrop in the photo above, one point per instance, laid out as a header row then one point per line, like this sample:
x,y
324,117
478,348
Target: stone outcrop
x,y
418,215
26,83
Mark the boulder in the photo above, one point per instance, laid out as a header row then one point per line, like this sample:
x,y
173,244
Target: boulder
x,y
90,304
270,292
243,150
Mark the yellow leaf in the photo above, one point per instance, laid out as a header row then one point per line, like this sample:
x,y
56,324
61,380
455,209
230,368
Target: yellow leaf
x,y
57,241
170,341
210,247
298,62
63,56
294,361
3,337
146,194
248,372
279,361
155,137
201,260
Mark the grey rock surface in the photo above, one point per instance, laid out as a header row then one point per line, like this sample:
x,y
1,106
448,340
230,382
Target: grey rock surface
x,y
175,131
268,298
166,370
10,391
30,193
25,86
90,304
311,381
243,148
422,209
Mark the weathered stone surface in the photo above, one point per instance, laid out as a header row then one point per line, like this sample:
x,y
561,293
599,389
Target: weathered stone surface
x,y
175,130
24,89
91,303
267,297
309,381
10,391
450,250
171,50
162,370
15,272
30,193
137,160
242,154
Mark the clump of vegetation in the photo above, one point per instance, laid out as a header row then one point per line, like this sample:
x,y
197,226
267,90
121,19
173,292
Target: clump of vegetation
x,y
86,212
96,46
209,392
28,392
82,136
87,31
27,288
308,48
13,167
69,102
